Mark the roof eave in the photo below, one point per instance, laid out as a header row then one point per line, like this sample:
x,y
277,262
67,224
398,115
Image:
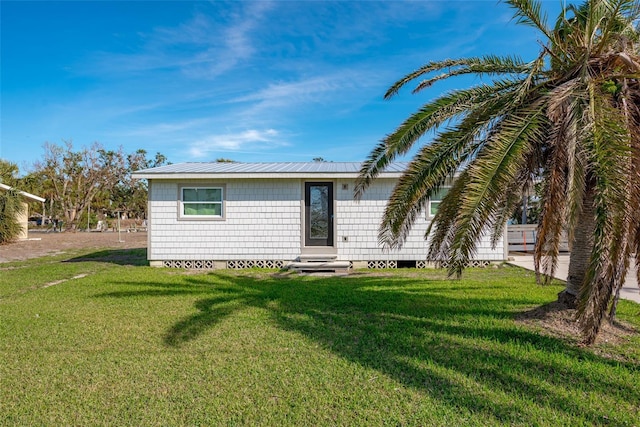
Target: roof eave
x,y
24,193
259,175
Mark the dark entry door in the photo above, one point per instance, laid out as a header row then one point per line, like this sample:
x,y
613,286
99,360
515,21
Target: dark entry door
x,y
318,202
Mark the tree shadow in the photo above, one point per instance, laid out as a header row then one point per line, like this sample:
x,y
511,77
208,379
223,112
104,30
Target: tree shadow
x,y
458,348
132,257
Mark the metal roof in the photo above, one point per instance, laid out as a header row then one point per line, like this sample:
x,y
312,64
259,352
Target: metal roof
x,y
23,193
263,170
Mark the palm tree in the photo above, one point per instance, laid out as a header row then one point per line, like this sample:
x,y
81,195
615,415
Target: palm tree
x,y
11,208
570,118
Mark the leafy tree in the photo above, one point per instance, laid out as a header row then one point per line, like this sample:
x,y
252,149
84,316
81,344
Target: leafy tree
x,y
10,208
74,178
130,194
36,183
92,177
570,116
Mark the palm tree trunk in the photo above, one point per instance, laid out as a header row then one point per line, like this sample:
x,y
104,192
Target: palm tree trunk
x,y
581,247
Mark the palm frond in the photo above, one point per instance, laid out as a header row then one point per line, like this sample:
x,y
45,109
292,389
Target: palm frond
x,y
552,207
430,116
434,163
509,201
551,225
610,166
496,166
440,232
427,172
489,64
577,128
562,195
529,12
617,21
633,119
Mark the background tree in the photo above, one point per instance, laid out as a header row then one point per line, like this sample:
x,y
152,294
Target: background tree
x,y
129,194
72,180
74,177
36,183
571,116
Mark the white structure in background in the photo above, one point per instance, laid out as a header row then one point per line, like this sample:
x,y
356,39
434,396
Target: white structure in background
x,y
23,219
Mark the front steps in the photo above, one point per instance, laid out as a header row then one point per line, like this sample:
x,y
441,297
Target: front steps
x,y
319,263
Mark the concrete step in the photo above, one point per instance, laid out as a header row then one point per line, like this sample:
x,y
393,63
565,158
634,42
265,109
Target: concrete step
x,y
317,257
335,267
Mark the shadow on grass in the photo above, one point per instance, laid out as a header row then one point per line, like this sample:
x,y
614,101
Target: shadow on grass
x,y
133,257
461,348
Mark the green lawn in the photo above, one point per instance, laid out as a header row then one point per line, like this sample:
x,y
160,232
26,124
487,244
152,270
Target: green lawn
x,y
119,343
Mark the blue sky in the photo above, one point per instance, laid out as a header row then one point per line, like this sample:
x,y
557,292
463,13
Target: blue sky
x,y
251,81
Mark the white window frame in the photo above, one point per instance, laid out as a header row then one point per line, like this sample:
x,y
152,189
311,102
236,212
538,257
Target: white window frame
x,y
182,203
436,200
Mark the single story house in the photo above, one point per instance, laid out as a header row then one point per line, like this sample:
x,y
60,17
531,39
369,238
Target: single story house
x,y
238,215
23,218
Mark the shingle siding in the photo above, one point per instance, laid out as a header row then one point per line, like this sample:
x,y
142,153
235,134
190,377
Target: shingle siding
x,y
263,221
358,222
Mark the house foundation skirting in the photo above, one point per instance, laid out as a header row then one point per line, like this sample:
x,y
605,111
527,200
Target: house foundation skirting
x,y
211,265
420,264
279,264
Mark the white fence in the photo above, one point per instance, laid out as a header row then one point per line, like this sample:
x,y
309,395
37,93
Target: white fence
x,y
522,238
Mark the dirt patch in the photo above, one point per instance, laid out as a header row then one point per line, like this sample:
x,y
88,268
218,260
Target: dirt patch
x,y
57,282
43,243
555,320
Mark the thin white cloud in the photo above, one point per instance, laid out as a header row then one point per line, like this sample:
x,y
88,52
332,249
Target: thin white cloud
x,y
219,47
243,140
199,48
295,92
161,129
339,89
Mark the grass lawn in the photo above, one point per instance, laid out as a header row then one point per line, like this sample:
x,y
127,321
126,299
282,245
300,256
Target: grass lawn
x,y
100,339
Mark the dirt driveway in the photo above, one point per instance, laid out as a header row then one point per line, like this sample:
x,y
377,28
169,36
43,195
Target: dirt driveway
x,y
43,243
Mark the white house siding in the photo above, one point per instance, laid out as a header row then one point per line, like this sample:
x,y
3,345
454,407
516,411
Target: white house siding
x,y
358,222
263,222
357,228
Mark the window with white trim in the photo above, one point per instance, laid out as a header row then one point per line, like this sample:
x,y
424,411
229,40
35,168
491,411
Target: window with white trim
x,y
435,200
201,202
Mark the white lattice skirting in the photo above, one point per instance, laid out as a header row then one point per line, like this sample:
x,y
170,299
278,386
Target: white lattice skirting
x,y
190,264
382,264
423,264
243,264
209,264
474,264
